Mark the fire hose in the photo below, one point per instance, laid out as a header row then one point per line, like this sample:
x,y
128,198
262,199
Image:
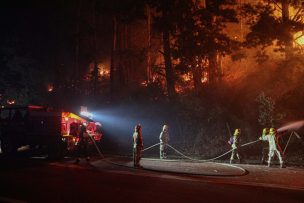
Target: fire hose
x,y
180,153
200,160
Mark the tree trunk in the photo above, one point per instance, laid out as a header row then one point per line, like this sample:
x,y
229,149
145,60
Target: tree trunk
x,y
197,76
287,29
213,69
77,47
168,64
149,72
167,58
113,52
95,70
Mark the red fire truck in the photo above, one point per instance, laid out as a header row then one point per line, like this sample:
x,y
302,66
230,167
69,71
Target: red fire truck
x,y
38,127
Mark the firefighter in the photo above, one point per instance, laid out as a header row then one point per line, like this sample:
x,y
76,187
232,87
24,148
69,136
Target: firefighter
x,y
234,142
82,149
274,147
164,139
265,147
137,146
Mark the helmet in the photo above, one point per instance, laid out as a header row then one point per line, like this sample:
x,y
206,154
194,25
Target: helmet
x,y
237,131
165,127
272,131
137,127
265,131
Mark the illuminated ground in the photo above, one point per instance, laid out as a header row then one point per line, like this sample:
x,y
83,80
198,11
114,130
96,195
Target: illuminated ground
x,y
259,175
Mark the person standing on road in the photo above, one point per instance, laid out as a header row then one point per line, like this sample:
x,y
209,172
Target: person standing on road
x,y
265,147
274,147
164,139
234,142
137,146
82,149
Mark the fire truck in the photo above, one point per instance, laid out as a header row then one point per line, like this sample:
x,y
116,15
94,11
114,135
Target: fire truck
x,y
43,129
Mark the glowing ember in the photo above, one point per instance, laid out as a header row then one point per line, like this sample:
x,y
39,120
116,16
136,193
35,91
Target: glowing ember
x,y
103,71
50,88
186,77
178,89
204,78
144,83
10,102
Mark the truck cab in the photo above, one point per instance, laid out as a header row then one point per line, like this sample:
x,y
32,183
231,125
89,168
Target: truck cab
x,y
35,126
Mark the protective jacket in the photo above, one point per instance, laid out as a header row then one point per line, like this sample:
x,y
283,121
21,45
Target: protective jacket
x,y
138,146
163,139
273,141
234,142
274,147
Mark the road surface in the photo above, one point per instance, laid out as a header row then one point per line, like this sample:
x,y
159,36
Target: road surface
x,y
38,180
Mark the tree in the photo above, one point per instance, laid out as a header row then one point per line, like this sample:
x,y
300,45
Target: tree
x,y
121,13
266,110
200,38
272,23
165,21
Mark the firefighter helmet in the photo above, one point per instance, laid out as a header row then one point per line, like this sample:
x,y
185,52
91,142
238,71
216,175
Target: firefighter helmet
x,y
165,127
137,127
265,131
272,131
237,131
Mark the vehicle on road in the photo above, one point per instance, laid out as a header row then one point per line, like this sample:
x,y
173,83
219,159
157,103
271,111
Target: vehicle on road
x,y
42,129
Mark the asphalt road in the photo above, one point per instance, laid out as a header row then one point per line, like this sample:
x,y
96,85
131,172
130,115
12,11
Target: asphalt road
x,y
35,180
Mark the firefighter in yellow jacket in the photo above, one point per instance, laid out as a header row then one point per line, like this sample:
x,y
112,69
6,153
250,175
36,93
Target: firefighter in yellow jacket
x,y
137,145
163,139
234,142
274,147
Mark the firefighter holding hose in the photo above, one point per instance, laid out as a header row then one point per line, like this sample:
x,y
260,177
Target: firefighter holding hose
x,y
274,147
265,147
234,142
137,146
163,139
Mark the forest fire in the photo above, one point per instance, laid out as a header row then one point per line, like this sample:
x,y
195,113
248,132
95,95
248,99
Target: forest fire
x,y
186,77
103,71
299,38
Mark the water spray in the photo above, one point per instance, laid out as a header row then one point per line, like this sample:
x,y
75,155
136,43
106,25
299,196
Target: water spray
x,y
291,126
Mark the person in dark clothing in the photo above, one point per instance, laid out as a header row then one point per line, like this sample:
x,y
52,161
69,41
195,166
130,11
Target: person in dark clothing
x,y
82,149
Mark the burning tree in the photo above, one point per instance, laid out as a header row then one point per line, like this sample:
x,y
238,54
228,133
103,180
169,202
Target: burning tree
x,y
200,40
276,22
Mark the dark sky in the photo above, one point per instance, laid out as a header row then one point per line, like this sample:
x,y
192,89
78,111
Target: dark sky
x,y
46,31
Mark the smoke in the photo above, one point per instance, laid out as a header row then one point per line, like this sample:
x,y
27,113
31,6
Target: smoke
x,y
118,124
292,126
